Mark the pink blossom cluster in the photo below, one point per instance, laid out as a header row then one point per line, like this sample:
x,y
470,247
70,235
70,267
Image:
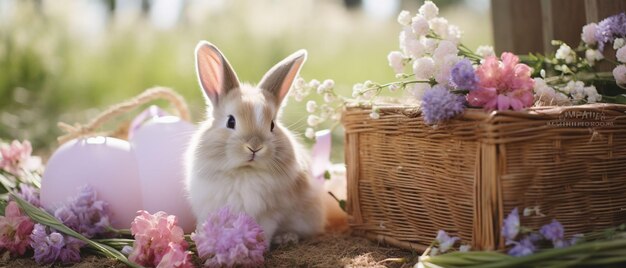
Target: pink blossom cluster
x,y
15,230
502,85
159,241
16,157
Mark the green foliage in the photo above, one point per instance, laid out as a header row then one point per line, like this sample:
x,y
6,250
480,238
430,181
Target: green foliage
x,y
51,72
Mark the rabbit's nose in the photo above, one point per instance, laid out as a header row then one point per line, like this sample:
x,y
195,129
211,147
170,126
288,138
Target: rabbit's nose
x,y
255,150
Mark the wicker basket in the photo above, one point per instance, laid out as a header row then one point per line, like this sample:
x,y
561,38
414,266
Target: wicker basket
x,y
407,180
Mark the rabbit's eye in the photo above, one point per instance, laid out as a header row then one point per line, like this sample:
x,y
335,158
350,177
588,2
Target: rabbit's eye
x,y
272,126
231,122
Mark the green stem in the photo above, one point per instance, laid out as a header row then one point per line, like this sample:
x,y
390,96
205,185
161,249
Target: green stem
x,y
582,248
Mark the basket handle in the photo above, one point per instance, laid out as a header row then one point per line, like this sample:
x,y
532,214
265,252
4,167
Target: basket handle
x,y
164,93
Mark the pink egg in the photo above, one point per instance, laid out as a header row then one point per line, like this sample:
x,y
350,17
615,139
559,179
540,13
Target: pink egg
x,y
105,163
159,146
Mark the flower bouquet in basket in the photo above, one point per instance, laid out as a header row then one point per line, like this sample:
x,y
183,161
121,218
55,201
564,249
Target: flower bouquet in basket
x,y
477,134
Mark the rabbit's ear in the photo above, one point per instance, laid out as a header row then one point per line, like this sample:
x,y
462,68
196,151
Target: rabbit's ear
x,y
278,80
215,74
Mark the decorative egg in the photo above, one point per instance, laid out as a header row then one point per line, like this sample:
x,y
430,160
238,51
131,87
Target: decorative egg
x,y
105,163
159,146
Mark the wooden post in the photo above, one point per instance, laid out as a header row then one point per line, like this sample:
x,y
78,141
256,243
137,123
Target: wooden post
x,y
530,26
517,26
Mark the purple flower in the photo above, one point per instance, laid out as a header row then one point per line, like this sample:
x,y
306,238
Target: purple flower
x,y
230,239
85,213
463,76
610,28
511,225
50,246
445,241
30,194
524,247
439,104
554,232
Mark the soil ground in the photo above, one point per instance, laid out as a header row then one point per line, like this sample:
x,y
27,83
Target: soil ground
x,y
329,250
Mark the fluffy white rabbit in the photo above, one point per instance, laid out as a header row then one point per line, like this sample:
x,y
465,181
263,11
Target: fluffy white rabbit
x,y
244,158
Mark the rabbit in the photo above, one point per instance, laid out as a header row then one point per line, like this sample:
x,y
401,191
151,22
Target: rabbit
x,y
244,158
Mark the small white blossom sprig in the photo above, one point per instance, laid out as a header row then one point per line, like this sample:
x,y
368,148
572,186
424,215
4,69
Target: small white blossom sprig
x,y
328,110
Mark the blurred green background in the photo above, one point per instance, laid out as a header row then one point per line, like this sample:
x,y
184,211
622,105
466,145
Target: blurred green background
x,y
63,60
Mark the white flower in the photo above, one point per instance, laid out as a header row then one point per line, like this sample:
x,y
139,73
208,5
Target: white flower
x,y
374,115
368,84
314,83
396,61
439,26
565,53
429,10
619,73
357,89
298,97
406,35
321,89
418,90
368,94
311,106
444,49
542,73
618,43
419,25
329,98
442,75
424,68
300,83
589,34
465,248
546,95
576,89
329,83
313,120
620,54
454,34
309,133
415,48
592,94
429,44
485,51
404,17
593,55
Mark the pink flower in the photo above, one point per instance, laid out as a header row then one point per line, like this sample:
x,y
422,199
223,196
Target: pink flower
x,y
176,257
16,157
153,236
502,84
15,230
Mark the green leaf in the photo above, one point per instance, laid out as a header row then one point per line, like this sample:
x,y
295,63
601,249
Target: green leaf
x,y
45,218
342,204
326,175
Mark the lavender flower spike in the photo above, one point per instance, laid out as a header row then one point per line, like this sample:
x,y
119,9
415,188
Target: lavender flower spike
x,y
30,194
85,213
463,76
439,104
610,28
554,232
445,241
511,225
523,247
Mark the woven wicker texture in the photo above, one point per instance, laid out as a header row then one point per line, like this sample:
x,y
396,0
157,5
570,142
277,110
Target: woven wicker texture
x,y
407,180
